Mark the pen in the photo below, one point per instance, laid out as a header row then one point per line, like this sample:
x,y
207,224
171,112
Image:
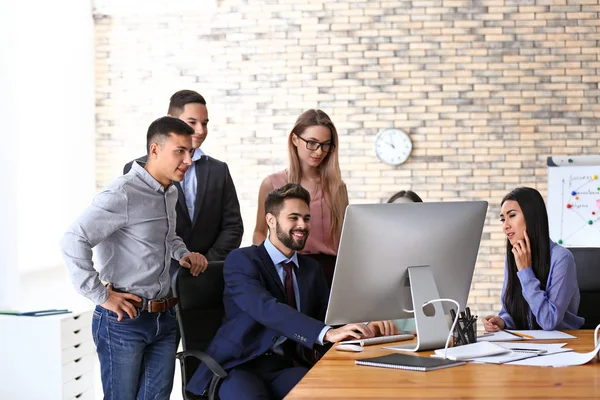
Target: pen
x,y
473,333
534,351
460,329
519,334
468,331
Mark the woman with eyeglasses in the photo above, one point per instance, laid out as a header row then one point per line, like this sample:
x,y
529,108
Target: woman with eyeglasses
x,y
540,280
313,158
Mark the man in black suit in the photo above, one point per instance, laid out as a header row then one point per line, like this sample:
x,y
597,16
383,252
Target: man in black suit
x,y
208,212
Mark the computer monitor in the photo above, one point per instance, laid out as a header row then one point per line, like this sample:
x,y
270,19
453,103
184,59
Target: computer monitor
x,y
392,256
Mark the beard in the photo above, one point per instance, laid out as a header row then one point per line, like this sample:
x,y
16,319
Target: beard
x,y
288,240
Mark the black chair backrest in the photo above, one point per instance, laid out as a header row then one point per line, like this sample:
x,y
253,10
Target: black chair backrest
x,y
200,309
587,260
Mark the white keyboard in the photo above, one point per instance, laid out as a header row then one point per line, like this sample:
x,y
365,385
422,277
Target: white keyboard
x,y
380,339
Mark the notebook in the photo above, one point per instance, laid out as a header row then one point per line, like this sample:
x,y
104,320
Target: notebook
x,y
412,363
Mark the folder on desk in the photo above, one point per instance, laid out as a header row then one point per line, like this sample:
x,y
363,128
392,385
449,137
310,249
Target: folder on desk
x,y
35,313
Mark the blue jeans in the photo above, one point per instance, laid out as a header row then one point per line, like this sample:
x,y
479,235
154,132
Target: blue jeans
x,y
137,356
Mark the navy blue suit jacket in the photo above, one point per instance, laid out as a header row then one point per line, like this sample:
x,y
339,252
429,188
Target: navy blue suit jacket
x,y
256,310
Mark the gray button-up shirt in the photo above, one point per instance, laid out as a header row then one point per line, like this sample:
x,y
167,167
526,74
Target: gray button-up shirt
x,y
132,225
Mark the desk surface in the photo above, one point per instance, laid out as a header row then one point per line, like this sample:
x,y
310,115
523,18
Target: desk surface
x,y
336,376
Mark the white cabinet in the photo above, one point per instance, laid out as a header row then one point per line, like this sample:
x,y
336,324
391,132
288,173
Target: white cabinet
x,y
50,358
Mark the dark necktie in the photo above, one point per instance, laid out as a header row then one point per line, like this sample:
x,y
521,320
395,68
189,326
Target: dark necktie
x,y
308,356
288,283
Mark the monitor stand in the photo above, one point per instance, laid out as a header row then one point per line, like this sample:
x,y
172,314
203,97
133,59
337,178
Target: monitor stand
x,y
432,331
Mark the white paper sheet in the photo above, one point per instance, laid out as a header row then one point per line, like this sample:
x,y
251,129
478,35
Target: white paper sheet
x,y
503,336
549,347
546,335
503,358
559,360
498,337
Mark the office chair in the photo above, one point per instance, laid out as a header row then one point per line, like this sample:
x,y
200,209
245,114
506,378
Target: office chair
x,y
199,315
587,260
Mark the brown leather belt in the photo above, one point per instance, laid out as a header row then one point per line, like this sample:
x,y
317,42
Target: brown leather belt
x,y
158,306
151,305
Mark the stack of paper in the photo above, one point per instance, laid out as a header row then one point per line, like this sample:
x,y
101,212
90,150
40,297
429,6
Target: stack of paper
x,y
521,351
471,351
501,352
531,354
560,359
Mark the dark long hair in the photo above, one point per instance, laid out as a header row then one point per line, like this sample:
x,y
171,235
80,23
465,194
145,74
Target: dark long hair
x,y
409,194
534,211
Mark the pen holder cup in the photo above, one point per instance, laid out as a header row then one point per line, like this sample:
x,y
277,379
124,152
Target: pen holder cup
x,y
464,333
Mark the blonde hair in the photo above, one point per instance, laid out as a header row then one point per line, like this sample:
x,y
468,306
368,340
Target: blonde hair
x,y
334,189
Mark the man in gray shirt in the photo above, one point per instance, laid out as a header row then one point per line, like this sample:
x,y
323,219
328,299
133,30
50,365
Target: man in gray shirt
x,y
131,223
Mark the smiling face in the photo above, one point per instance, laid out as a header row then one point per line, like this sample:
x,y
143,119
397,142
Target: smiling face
x,y
289,230
196,116
513,221
312,136
169,160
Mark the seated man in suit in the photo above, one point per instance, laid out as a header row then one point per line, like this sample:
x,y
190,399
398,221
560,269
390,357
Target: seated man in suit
x,y
275,302
208,212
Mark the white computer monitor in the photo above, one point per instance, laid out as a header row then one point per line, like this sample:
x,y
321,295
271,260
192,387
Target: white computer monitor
x,y
382,244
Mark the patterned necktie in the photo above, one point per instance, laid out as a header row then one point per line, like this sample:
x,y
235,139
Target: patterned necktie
x,y
288,283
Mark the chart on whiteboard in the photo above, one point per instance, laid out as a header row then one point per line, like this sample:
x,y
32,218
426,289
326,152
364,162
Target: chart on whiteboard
x,y
574,206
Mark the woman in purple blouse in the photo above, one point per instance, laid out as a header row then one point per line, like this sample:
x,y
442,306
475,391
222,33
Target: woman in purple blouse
x,y
540,288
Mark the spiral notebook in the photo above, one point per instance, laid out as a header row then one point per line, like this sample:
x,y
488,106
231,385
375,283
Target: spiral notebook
x,y
412,363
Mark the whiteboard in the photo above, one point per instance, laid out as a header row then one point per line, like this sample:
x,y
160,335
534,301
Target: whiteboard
x,y
574,204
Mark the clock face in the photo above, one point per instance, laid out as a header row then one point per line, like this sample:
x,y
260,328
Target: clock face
x,y
393,146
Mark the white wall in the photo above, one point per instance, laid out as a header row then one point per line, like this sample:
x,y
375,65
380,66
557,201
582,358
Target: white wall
x,y
8,201
47,159
158,7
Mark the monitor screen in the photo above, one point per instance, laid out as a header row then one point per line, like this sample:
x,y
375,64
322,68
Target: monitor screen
x,y
380,242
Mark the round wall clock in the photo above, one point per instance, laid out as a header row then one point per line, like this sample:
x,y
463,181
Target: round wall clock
x,y
393,146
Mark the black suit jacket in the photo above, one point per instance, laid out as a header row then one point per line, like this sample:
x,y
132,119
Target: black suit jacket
x,y
217,226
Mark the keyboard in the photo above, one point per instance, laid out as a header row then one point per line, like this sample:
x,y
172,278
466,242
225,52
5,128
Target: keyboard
x,y
380,339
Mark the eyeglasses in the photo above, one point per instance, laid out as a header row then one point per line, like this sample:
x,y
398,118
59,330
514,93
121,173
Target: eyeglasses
x,y
312,145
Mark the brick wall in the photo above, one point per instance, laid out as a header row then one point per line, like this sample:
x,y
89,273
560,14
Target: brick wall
x,y
487,89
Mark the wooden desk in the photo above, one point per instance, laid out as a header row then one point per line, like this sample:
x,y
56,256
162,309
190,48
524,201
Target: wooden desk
x,y
336,376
